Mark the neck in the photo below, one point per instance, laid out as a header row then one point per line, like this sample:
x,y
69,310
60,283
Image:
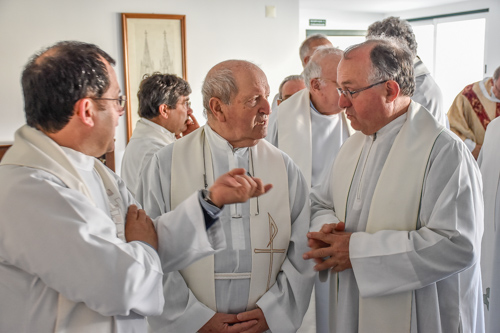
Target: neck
x,y
235,143
326,110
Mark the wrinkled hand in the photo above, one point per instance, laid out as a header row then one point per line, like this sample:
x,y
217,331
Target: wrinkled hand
x,y
236,186
139,227
256,316
192,124
226,323
475,152
330,247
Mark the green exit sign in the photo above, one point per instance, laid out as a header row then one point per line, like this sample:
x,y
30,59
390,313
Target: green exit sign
x,y
317,23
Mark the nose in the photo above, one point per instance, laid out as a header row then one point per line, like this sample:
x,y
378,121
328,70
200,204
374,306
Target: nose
x,y
266,109
344,102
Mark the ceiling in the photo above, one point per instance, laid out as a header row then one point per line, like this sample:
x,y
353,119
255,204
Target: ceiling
x,y
374,6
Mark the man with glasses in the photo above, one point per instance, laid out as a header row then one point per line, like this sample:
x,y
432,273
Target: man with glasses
x,y
402,209
166,115
311,127
76,254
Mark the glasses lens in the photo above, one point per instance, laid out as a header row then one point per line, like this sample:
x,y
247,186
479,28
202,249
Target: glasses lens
x,y
122,100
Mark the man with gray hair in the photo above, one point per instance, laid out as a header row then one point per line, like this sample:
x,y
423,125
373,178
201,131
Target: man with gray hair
x,y
401,210
473,109
309,45
260,282
166,114
311,127
427,92
289,86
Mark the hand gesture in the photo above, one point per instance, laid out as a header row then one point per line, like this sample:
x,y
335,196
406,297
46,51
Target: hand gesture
x,y
330,247
139,227
236,186
225,323
256,316
192,124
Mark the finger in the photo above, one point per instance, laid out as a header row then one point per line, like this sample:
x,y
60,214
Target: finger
x,y
247,315
318,253
259,188
268,187
340,226
141,215
328,228
237,172
132,210
243,326
320,236
194,119
329,263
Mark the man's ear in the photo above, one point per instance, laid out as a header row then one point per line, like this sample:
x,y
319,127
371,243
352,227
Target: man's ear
x,y
217,109
84,110
315,84
392,89
164,111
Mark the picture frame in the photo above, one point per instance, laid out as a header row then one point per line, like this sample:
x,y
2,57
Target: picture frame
x,y
151,43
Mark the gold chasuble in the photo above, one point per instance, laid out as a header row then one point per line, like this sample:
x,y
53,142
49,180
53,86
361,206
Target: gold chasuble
x,y
270,223
395,204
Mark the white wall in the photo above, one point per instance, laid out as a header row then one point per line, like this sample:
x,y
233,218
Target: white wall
x,y
215,30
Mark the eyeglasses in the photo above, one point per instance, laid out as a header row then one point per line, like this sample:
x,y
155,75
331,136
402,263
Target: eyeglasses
x,y
348,94
187,104
122,99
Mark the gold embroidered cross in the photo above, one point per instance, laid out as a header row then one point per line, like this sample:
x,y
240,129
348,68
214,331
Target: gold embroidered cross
x,y
273,231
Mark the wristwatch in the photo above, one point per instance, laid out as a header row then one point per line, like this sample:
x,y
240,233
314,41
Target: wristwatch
x,y
205,195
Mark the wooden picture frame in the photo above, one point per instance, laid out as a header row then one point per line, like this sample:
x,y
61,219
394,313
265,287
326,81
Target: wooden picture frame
x,y
151,43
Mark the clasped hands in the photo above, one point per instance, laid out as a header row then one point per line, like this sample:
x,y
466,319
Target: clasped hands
x,y
330,247
252,321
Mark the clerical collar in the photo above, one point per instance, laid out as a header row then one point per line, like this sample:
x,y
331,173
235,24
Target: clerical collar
x,y
488,94
158,128
394,125
78,159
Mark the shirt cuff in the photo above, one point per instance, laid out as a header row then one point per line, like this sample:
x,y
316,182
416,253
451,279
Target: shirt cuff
x,y
211,213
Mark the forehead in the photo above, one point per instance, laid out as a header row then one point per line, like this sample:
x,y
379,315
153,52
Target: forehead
x,y
355,69
250,81
293,85
329,65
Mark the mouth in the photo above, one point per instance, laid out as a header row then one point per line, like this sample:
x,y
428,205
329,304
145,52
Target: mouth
x,y
261,123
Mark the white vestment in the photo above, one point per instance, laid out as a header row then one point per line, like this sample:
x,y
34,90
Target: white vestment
x,y
147,138
427,92
437,262
489,162
312,140
63,264
285,303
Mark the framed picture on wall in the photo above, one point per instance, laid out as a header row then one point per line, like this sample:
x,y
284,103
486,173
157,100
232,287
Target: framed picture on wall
x,y
151,43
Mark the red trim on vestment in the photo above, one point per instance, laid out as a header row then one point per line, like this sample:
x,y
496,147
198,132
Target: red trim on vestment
x,y
477,107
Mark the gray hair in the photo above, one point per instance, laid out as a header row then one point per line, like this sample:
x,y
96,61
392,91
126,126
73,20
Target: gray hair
x,y
157,89
288,79
391,60
305,46
397,28
313,68
496,74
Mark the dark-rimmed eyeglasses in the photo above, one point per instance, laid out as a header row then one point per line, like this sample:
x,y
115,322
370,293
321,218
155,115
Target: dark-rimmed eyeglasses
x,y
348,93
122,99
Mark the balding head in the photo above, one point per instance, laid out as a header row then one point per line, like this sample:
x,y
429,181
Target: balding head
x,y
235,96
310,44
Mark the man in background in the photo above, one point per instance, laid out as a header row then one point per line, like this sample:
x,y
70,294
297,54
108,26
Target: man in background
x,y
473,109
427,92
289,86
166,115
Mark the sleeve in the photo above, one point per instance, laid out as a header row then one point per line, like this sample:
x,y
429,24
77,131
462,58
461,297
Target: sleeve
x,y
285,304
182,234
448,237
458,118
72,247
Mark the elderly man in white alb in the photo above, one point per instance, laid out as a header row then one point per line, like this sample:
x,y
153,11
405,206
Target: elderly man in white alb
x,y
404,196
311,128
489,163
260,282
76,254
166,114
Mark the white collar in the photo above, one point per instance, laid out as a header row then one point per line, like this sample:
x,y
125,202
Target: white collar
x,y
157,127
488,94
78,159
